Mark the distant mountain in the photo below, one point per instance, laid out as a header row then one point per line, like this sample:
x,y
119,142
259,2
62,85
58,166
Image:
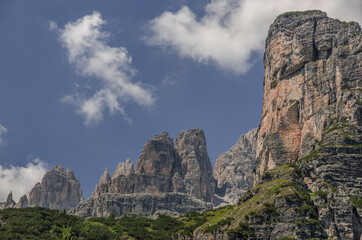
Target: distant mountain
x,y
167,178
234,169
58,189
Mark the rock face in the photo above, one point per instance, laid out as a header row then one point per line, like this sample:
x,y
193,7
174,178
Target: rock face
x,y
184,169
58,189
123,168
312,71
23,202
196,168
234,169
312,113
140,203
9,202
308,175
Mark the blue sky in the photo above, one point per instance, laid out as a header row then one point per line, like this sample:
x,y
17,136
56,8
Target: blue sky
x,y
87,83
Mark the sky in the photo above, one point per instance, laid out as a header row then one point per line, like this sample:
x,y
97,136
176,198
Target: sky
x,y
86,83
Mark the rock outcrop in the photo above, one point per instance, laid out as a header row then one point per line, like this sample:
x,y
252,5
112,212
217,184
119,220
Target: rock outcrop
x,y
123,168
234,169
184,169
9,203
22,203
312,74
308,175
58,189
312,113
146,204
196,168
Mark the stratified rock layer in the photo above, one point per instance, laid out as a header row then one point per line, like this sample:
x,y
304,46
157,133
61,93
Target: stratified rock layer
x,y
312,74
234,169
161,168
140,203
308,178
58,189
312,113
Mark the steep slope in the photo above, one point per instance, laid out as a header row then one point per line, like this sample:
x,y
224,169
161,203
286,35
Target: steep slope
x,y
234,169
308,176
312,75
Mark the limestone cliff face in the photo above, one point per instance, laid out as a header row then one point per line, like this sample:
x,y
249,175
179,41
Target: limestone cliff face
x,y
196,168
234,169
312,113
308,178
184,169
312,73
158,156
58,189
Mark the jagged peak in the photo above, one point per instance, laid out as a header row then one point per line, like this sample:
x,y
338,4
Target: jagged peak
x,y
105,177
123,168
163,137
70,174
57,168
10,197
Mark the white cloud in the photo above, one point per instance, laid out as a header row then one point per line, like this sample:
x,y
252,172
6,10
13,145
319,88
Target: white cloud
x,y
20,180
110,67
231,30
3,130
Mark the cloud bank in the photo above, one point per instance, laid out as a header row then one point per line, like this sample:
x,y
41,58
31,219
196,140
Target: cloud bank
x,y
110,69
20,180
3,130
231,30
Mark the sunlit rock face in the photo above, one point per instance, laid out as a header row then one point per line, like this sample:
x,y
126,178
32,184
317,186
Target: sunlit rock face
x,y
312,113
312,71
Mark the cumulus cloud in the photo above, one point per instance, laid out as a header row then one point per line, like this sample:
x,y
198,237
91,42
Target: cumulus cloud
x,y
3,130
20,180
231,30
109,67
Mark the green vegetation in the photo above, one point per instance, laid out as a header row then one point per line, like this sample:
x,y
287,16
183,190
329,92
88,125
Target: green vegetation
x,y
320,194
299,13
287,238
356,201
282,185
40,223
342,129
307,210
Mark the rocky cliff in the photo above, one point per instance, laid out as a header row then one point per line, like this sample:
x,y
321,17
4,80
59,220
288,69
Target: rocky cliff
x,y
312,112
312,75
183,171
308,175
9,203
58,189
234,169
